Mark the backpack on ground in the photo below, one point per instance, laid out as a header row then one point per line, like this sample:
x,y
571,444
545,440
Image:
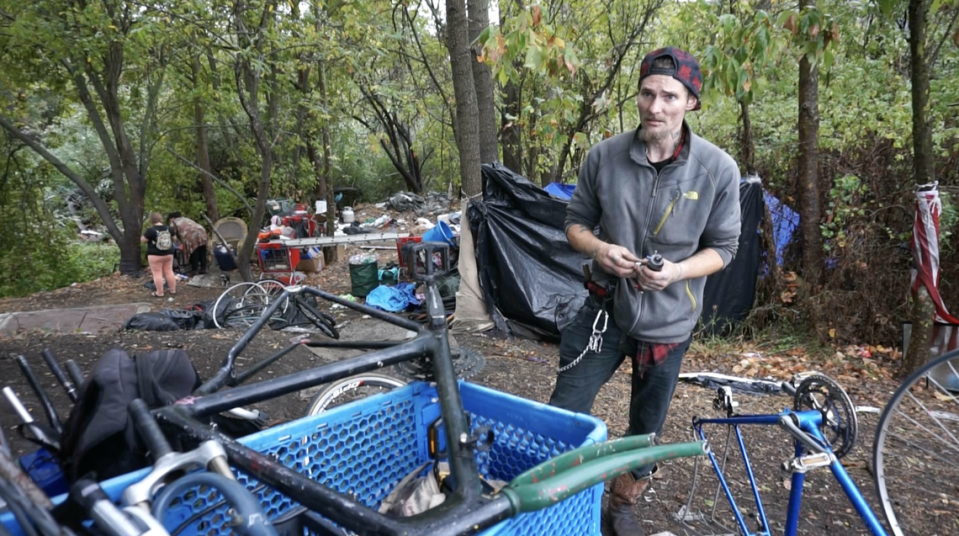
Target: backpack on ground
x,y
99,436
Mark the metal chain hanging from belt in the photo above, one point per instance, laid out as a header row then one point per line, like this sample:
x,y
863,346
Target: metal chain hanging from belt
x,y
595,339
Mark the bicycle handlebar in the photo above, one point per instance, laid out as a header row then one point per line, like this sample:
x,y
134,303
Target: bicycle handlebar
x,y
529,497
149,429
572,459
59,374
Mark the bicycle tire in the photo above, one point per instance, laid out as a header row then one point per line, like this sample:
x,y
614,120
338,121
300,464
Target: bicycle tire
x,y
226,293
325,323
888,465
333,394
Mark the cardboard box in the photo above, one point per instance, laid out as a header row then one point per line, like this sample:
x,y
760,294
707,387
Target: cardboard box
x,y
310,265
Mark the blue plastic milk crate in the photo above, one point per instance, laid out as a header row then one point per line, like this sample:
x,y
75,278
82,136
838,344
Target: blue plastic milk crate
x,y
365,448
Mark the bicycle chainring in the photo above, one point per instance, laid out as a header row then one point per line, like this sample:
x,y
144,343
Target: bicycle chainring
x,y
466,364
840,425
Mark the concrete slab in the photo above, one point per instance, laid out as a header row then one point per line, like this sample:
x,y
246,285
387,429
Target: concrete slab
x,y
82,320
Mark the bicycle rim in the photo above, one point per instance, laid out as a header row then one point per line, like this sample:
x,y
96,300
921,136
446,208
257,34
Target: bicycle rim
x,y
234,299
916,451
349,389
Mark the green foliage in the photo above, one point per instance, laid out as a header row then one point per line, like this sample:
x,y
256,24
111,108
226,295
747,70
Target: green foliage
x,y
845,205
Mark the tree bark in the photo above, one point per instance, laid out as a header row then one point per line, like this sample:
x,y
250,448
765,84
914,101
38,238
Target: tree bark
x,y
923,311
483,80
202,149
247,85
808,167
512,134
466,120
748,148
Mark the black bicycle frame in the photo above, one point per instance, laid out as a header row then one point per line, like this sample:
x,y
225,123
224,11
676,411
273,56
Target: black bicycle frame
x,y
467,511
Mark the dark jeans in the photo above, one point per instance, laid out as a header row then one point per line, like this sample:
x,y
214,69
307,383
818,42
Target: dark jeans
x,y
198,259
652,388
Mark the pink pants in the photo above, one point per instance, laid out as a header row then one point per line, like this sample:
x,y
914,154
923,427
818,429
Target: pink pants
x,y
162,266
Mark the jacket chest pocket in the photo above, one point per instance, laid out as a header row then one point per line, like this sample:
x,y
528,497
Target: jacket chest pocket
x,y
677,215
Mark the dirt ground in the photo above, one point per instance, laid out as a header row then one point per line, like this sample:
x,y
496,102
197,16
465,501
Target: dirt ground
x,y
521,367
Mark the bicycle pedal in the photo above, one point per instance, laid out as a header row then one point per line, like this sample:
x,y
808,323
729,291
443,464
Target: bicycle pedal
x,y
808,462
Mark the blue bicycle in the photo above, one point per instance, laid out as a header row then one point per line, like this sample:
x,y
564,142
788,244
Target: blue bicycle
x,y
824,426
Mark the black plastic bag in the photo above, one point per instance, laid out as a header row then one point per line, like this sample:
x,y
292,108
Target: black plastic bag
x,y
729,293
527,269
152,321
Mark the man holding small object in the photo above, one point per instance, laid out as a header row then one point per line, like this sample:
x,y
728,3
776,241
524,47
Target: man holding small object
x,y
666,204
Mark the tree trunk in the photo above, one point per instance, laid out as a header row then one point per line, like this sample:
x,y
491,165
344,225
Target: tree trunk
x,y
808,168
203,150
467,120
483,80
747,147
512,134
923,311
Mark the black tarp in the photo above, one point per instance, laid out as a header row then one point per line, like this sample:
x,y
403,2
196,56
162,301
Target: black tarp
x,y
527,269
728,296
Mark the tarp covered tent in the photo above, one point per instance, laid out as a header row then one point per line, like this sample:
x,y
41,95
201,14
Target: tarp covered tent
x,y
527,269
728,296
470,314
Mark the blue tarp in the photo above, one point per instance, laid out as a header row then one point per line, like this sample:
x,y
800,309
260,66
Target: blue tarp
x,y
785,222
393,299
559,190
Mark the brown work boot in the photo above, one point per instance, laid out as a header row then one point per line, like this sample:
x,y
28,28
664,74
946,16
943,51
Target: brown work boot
x,y
620,514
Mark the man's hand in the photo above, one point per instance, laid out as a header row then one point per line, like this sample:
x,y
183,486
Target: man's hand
x,y
651,280
616,260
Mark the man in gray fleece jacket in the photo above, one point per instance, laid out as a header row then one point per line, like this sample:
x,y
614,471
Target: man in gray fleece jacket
x,y
657,191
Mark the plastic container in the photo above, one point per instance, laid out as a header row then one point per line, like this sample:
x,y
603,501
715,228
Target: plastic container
x,y
365,448
440,233
346,215
45,471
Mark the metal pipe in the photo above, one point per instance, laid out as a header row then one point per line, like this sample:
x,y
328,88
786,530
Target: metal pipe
x,y
353,345
59,375
27,419
227,371
581,455
48,408
257,367
459,445
760,509
248,394
75,373
4,444
537,496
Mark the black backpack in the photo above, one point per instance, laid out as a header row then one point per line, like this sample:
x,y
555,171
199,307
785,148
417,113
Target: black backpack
x,y
99,436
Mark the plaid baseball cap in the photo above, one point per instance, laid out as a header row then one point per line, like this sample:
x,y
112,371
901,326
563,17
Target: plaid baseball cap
x,y
686,70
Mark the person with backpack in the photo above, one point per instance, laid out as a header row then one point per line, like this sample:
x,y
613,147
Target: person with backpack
x,y
159,240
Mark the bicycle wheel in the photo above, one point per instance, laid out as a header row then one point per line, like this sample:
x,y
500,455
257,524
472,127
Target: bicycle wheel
x,y
916,452
235,297
349,389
